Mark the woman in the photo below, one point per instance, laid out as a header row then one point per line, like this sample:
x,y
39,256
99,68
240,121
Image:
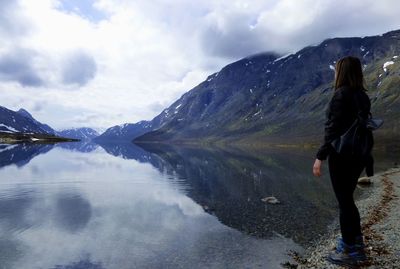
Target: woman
x,y
348,101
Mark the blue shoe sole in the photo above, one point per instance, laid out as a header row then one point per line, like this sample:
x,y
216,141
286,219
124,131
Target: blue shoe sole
x,y
345,264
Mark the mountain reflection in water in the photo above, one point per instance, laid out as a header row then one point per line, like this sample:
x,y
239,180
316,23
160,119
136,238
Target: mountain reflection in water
x,y
231,184
76,205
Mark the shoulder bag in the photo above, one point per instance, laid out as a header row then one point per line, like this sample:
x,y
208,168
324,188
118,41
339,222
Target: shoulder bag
x,y
358,140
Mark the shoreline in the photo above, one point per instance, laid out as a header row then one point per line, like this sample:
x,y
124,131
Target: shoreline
x,y
379,208
17,138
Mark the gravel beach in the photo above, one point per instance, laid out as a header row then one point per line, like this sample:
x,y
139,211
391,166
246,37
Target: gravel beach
x,y
379,207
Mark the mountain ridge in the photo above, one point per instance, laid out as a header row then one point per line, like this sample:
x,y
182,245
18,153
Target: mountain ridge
x,y
83,133
45,127
21,126
282,99
21,121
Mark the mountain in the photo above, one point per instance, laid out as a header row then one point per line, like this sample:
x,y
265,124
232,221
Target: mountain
x,y
79,133
21,122
44,127
19,126
263,98
128,131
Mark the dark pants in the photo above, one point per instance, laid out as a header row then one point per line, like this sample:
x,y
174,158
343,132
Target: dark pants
x,y
344,173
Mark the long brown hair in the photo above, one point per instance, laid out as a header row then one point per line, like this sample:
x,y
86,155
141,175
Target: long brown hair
x,y
348,72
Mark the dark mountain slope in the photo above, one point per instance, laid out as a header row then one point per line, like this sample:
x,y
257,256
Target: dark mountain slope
x,y
44,127
19,126
21,121
268,99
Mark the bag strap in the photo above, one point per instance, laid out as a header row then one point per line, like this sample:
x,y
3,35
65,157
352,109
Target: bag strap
x,y
359,111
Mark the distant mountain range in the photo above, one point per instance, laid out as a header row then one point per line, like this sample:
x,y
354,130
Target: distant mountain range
x,y
79,133
126,132
22,126
267,98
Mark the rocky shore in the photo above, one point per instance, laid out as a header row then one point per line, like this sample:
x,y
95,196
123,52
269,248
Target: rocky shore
x,y
380,212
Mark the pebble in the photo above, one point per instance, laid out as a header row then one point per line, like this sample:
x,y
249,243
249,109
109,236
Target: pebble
x,y
270,200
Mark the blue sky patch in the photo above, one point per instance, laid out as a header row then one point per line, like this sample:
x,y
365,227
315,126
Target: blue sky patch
x,y
83,8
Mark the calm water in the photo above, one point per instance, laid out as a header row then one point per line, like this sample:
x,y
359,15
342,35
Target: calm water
x,y
120,206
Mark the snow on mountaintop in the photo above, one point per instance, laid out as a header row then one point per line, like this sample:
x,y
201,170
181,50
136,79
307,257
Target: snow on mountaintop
x,y
283,57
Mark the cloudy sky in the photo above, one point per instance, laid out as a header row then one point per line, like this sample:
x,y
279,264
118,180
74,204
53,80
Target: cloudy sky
x,y
100,63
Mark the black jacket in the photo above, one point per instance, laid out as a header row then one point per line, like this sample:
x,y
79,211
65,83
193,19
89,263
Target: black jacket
x,y
341,113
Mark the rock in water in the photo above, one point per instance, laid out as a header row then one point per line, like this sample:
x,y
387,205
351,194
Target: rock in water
x,y
364,181
270,200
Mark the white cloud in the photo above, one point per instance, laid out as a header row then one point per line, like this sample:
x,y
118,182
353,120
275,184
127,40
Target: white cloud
x,y
115,61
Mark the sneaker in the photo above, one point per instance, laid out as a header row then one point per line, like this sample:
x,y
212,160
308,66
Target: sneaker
x,y
350,257
341,245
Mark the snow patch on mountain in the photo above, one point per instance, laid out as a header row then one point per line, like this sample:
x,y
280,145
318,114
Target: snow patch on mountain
x,y
9,128
385,65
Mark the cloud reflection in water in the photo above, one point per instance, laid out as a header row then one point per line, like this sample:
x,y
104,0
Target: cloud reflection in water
x,y
116,213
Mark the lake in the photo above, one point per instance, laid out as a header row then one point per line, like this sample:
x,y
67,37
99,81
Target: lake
x,y
77,205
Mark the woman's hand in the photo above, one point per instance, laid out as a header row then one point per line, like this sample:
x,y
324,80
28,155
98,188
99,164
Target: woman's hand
x,y
317,168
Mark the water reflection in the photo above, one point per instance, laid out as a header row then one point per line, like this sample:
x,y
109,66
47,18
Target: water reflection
x,y
14,208
123,206
86,146
230,185
131,151
71,209
21,154
84,264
